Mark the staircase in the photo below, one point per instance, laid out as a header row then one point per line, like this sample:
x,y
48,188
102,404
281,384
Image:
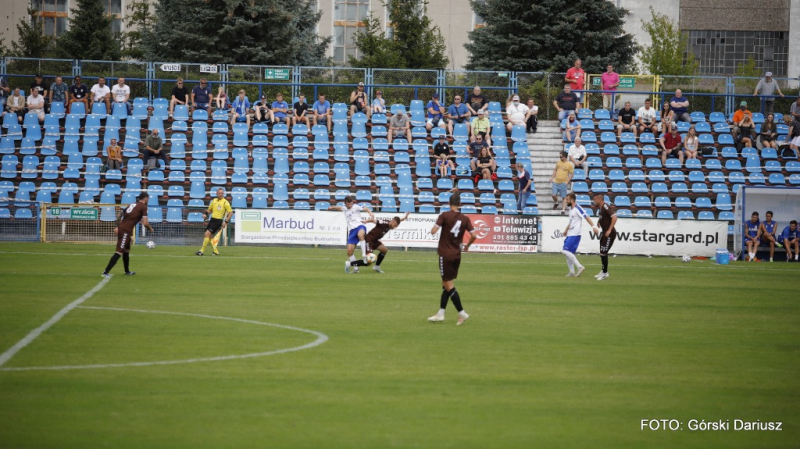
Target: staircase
x,y
545,146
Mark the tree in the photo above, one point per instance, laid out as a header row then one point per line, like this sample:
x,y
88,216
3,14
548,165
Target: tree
x,y
138,20
415,42
548,35
31,41
669,52
260,32
89,35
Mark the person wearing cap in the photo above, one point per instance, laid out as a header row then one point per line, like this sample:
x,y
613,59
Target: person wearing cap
x,y
359,102
476,101
43,88
263,110
572,127
101,93
481,126
379,104
435,113
59,92
609,80
280,110
794,111
671,145
399,126
79,93
180,95
738,118
322,112
458,112
768,86
516,112
532,118
565,102
680,106
301,111
203,96
442,152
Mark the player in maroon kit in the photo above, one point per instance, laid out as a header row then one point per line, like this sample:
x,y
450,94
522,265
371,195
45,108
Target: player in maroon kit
x,y
373,240
453,224
126,222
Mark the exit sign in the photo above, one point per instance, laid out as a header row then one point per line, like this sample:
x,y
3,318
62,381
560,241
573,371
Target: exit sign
x,y
277,74
624,83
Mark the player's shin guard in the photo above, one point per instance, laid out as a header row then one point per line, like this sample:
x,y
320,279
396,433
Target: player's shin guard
x,y
443,300
454,296
363,245
112,262
206,241
126,258
380,259
604,260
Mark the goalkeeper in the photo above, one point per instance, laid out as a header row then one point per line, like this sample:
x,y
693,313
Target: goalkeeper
x,y
220,210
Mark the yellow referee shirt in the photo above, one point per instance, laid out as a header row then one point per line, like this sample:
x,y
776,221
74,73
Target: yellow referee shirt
x,y
219,207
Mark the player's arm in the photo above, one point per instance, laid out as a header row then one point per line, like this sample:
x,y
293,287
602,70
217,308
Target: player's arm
x,y
434,229
591,223
118,221
472,236
146,224
611,226
227,217
338,208
405,217
369,212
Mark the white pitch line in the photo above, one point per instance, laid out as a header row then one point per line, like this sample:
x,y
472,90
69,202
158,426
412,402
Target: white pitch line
x,y
6,356
321,338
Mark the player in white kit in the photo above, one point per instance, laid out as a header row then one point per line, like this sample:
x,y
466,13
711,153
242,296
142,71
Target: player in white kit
x,y
573,234
356,230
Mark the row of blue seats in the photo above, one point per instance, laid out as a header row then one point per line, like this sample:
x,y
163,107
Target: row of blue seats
x,y
657,175
648,138
683,127
697,116
689,164
611,149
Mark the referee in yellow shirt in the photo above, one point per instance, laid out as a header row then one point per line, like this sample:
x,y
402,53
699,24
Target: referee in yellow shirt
x,y
220,210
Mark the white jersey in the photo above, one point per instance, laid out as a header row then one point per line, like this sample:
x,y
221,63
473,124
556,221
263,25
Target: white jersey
x,y
576,216
353,216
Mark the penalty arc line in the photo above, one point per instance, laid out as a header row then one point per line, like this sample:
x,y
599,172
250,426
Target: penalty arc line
x,y
6,356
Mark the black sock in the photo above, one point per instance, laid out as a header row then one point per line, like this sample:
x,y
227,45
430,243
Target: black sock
x,y
443,301
112,262
358,263
380,259
604,259
126,258
456,299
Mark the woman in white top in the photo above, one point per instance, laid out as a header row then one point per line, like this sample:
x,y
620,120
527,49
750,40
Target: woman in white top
x,y
691,144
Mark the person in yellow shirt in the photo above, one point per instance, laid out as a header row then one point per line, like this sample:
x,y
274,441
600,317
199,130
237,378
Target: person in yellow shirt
x,y
482,126
220,210
114,156
562,175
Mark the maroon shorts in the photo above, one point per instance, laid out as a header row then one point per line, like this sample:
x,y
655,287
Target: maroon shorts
x,y
124,240
372,245
448,268
607,242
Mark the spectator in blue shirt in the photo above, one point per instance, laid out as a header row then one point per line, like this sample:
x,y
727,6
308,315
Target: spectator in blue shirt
x,y
680,107
202,96
239,109
525,184
458,112
435,113
322,112
280,109
790,238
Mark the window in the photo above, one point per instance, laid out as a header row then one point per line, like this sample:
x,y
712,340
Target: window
x,y
719,52
114,9
480,22
52,15
348,16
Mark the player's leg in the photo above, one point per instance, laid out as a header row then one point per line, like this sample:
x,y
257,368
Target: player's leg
x,y
771,243
382,250
113,261
351,248
122,238
362,244
796,244
605,246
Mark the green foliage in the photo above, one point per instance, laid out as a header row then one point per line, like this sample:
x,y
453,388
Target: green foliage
x,y
4,51
89,35
138,20
750,73
669,52
537,35
260,32
415,42
31,41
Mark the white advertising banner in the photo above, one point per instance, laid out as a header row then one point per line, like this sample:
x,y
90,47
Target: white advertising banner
x,y
644,237
414,232
291,227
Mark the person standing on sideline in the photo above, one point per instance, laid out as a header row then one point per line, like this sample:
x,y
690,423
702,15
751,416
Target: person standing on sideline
x,y
607,223
525,184
610,81
573,235
220,210
768,86
126,222
453,225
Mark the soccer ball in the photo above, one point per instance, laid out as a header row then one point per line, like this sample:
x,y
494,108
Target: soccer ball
x,y
151,244
686,259
371,258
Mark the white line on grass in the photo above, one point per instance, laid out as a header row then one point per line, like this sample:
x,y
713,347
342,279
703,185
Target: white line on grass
x,y
6,356
321,338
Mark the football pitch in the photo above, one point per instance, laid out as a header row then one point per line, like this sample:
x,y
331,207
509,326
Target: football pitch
x,y
279,348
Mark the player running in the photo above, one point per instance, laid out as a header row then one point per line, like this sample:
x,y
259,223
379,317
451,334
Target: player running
x,y
373,241
220,210
790,238
751,237
607,223
573,233
126,221
356,230
453,224
766,234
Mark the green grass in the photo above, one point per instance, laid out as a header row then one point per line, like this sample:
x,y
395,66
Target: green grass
x,y
544,361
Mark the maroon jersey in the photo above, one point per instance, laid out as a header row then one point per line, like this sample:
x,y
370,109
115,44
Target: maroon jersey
x,y
132,215
375,234
606,212
453,225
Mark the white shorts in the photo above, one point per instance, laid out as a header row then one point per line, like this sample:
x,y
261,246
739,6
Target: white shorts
x,y
796,141
441,122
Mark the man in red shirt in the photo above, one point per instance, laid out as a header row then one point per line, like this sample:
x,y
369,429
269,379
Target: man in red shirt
x,y
575,77
126,222
671,145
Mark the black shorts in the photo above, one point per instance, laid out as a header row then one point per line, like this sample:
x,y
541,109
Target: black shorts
x,y
372,245
607,242
448,268
124,240
213,225
359,106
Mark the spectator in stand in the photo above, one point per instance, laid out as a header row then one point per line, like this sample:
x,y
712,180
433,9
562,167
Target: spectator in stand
x,y
221,98
301,111
769,133
435,113
101,94
35,104
768,86
476,101
114,160
671,145
4,91
442,152
458,112
359,102
738,118
280,110
532,118
516,112
562,175
680,106
609,81
485,164
475,149
44,90
575,79
626,120
566,102
122,93
59,91
481,126
647,118
525,186
793,136
203,96
747,131
379,104
667,118
78,93
153,148
691,144
16,104
577,154
399,126
263,111
766,234
572,128
322,112
751,241
240,108
180,95
790,238
795,109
